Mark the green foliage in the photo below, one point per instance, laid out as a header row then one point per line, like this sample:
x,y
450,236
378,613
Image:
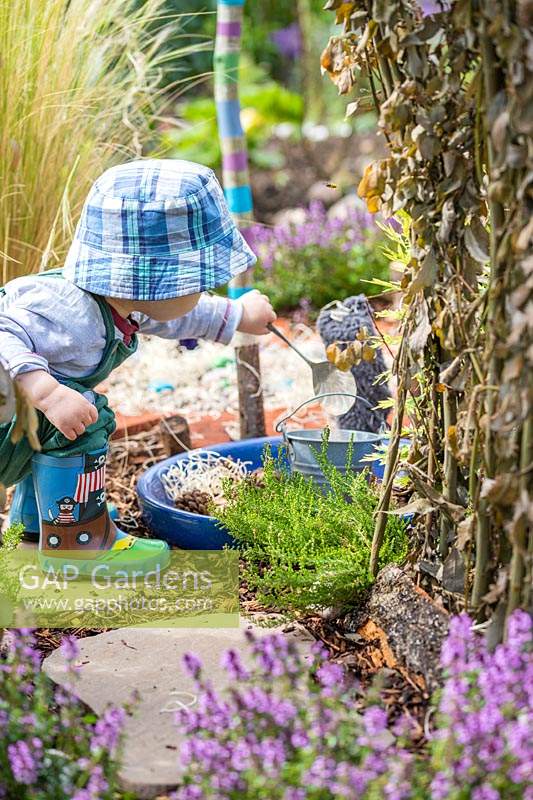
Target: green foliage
x,y
188,51
9,583
11,538
264,103
263,19
319,259
305,549
318,275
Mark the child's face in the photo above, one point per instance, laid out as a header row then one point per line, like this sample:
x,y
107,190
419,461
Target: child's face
x,y
166,310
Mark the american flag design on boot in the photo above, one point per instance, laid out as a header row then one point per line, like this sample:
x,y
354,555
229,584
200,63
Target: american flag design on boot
x,y
90,486
89,482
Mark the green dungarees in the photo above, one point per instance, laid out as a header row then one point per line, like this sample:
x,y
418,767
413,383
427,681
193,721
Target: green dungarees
x,y
15,459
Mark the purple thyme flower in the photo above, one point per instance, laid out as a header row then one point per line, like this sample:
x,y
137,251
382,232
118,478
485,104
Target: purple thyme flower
x,y
69,648
291,729
25,760
330,675
108,730
192,665
375,720
233,665
485,792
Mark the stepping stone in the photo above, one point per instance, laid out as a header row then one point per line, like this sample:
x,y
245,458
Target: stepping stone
x,y
115,664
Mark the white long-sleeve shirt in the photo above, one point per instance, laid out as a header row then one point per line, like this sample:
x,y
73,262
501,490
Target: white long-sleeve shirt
x,y
51,324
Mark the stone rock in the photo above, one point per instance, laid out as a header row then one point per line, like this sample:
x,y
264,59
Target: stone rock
x,y
149,661
362,416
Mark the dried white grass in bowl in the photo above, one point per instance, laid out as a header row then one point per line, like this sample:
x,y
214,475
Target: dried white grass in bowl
x,y
206,472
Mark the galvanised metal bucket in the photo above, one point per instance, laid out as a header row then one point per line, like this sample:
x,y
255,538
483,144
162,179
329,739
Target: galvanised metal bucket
x,y
302,445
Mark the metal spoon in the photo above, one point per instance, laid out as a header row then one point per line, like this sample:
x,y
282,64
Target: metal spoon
x,y
326,378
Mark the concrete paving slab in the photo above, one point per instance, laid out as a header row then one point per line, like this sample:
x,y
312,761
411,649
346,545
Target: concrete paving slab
x,y
149,661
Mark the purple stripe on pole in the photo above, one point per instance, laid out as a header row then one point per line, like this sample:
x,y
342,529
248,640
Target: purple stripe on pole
x,y
235,161
229,28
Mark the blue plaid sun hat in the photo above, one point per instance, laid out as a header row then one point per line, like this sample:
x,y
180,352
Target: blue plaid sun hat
x,y
155,230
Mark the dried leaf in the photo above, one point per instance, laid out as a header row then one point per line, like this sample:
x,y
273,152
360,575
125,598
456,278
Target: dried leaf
x,y
477,241
448,218
428,146
368,353
454,374
496,589
419,337
372,184
418,506
351,108
502,490
425,276
370,29
27,422
453,572
452,510
465,532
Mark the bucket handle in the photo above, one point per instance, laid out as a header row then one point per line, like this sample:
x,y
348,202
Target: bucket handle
x,y
280,425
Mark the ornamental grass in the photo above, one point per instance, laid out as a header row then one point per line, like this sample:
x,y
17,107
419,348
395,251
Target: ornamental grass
x,y
79,91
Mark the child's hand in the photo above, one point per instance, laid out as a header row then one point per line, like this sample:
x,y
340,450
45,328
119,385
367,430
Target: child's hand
x,y
65,408
69,411
257,313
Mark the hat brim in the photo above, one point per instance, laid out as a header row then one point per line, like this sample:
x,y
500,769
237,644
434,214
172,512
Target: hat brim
x,y
158,277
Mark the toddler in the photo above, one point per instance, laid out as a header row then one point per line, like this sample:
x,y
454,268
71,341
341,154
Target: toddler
x,y
153,236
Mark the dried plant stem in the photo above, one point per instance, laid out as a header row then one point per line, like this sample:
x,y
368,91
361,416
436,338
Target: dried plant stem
x,y
432,458
492,85
449,489
390,473
517,587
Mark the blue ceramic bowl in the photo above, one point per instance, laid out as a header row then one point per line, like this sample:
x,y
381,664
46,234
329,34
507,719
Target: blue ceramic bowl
x,y
181,528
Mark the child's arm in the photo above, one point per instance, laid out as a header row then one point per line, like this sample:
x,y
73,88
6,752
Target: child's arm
x,y
39,323
67,409
216,318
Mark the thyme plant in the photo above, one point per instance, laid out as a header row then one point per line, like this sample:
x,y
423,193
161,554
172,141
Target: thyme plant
x,y
304,549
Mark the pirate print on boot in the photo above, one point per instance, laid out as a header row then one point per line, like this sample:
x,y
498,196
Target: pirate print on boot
x,y
75,525
66,507
79,521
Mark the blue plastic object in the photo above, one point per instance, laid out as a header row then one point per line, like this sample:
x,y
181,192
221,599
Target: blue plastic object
x,y
181,528
161,386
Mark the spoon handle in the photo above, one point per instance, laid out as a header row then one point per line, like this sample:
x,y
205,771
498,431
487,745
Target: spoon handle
x,y
282,336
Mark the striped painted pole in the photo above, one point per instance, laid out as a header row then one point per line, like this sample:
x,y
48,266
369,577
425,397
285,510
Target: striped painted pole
x,y
236,181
